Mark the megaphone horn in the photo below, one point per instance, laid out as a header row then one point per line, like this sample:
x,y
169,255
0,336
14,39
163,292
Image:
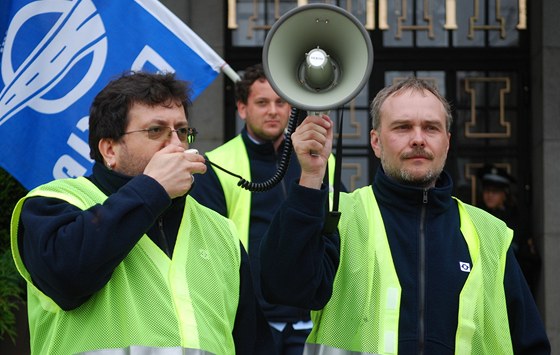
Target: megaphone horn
x,y
317,57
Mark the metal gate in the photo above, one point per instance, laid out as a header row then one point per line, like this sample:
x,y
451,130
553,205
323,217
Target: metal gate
x,y
475,51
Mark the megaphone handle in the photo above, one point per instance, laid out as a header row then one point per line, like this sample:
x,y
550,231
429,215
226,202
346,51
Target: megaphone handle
x,y
332,217
301,115
317,113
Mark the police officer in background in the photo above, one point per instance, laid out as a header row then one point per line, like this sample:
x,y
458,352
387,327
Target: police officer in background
x,y
499,201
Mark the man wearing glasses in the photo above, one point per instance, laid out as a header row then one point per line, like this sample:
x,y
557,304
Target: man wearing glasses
x,y
124,260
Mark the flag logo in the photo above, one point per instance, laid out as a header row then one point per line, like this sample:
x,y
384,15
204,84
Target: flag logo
x,y
77,33
56,55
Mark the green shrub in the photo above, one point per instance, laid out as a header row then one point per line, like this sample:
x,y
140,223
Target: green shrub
x,y
12,286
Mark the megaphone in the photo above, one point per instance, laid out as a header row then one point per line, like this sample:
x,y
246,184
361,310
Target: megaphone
x,y
317,57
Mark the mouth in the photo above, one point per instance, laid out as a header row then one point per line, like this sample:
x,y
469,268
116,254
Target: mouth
x,y
416,156
272,123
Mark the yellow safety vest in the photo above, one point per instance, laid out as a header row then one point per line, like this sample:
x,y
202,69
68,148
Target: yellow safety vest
x,y
151,303
362,316
233,156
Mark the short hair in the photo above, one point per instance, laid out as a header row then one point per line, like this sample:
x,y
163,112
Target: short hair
x,y
108,116
243,86
411,83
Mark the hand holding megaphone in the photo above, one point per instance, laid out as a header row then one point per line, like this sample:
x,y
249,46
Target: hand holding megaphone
x,y
312,143
317,57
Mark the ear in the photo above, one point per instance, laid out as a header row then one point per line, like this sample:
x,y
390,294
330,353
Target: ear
x,y
242,110
107,149
374,142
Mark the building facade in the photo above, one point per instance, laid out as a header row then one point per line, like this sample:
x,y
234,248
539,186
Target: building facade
x,y
496,61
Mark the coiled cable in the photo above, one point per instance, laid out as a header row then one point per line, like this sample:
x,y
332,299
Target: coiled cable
x,y
293,122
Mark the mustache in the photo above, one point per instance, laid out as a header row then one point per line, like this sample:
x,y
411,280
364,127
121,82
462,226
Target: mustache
x,y
418,152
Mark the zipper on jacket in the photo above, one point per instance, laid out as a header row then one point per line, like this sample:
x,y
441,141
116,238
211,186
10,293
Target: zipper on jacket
x,y
163,238
422,275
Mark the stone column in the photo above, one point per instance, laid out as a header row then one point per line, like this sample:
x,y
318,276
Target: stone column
x,y
545,117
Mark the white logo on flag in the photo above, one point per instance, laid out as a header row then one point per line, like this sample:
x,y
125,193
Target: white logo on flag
x,y
465,267
55,53
78,32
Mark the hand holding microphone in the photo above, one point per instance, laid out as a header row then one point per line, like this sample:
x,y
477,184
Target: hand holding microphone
x,y
192,151
174,168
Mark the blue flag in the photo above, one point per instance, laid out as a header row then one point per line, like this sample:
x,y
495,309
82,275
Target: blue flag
x,y
57,55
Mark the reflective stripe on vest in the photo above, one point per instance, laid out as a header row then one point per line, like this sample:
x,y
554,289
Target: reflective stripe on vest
x,y
147,350
483,324
233,156
150,300
320,349
363,313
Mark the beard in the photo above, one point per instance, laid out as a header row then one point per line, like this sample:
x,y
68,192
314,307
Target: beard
x,y
131,164
408,176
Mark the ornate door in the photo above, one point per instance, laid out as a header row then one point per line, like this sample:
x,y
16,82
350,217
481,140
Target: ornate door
x,y
475,51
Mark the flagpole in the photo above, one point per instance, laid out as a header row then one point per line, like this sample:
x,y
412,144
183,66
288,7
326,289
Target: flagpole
x,y
229,72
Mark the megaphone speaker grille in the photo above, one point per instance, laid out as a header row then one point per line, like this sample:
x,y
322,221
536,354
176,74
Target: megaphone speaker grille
x,y
334,31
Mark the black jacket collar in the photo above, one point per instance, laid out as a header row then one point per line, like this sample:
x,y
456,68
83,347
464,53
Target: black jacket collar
x,y
107,180
262,151
394,194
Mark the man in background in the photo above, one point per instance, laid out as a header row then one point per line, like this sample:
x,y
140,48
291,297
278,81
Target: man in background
x,y
254,154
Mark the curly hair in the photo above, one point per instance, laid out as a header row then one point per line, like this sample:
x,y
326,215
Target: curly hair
x,y
243,86
108,116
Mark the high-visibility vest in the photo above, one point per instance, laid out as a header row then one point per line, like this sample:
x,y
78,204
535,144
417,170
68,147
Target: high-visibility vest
x,y
362,315
151,303
233,156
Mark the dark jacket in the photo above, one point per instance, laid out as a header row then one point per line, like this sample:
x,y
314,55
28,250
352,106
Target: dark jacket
x,y
264,161
427,267
85,256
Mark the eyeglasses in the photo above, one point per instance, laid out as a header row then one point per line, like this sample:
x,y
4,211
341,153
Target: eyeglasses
x,y
158,133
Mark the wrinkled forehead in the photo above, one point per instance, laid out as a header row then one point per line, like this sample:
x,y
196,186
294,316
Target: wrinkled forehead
x,y
410,100
170,110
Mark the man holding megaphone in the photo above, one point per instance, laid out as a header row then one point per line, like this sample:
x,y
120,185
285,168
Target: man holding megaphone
x,y
411,269
255,154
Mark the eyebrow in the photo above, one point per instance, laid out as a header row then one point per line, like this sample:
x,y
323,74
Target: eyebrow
x,y
160,122
423,121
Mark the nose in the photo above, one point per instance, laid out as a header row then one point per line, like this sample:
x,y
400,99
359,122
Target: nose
x,y
272,108
418,138
174,138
